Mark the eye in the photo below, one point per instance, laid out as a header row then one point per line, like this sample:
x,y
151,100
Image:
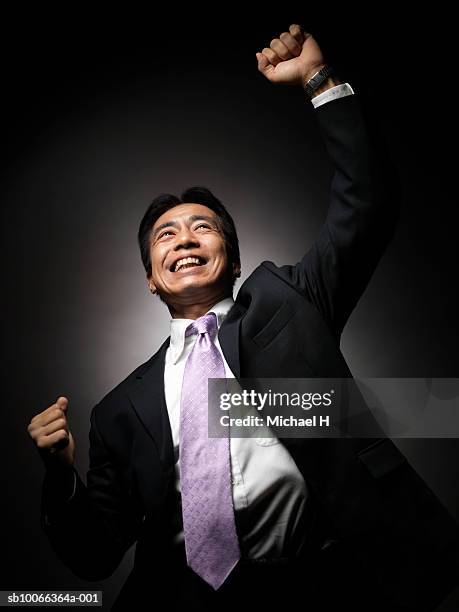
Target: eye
x,y
205,225
165,234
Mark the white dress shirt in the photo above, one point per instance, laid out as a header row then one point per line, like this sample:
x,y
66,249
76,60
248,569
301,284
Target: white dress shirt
x,y
269,492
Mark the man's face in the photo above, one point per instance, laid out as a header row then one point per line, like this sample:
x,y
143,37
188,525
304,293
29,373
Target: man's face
x,y
189,231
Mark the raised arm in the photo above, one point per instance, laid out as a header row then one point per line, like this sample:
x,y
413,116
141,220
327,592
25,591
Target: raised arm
x,y
364,200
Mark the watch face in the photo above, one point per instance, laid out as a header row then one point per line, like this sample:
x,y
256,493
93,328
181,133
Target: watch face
x,y
317,80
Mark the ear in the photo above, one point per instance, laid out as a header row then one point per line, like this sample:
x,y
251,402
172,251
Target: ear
x,y
151,285
236,270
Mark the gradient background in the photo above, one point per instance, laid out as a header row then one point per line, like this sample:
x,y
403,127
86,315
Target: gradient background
x,y
102,112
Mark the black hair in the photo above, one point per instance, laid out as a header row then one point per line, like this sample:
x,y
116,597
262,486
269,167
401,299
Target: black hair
x,y
197,195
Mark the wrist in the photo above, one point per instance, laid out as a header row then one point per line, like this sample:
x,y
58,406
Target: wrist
x,y
310,72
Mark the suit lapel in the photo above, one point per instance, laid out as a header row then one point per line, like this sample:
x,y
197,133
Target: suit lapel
x,y
148,399
228,336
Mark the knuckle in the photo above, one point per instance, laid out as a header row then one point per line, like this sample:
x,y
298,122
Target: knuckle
x,y
270,55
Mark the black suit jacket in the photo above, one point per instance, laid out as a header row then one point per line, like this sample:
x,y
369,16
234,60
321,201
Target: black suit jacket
x,y
286,322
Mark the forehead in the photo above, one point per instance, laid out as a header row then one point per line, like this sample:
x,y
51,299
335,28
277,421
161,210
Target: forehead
x,y
182,212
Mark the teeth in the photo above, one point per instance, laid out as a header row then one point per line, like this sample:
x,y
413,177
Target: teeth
x,y
186,261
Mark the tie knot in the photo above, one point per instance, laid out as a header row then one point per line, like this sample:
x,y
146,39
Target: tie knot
x,y
204,325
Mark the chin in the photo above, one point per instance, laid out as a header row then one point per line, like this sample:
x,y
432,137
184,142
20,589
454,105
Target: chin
x,y
195,286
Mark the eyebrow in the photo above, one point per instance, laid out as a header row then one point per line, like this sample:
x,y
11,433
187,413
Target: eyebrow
x,y
191,219
202,218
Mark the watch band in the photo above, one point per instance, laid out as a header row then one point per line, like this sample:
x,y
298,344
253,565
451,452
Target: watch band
x,y
317,79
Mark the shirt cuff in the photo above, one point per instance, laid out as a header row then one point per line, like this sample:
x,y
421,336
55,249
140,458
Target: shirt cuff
x,y
338,91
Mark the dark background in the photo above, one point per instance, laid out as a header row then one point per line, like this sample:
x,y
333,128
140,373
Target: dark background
x,y
101,112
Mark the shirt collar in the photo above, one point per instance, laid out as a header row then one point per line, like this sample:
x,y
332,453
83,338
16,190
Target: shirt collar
x,y
178,327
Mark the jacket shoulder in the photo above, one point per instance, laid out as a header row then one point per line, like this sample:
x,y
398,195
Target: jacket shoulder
x,y
117,398
268,278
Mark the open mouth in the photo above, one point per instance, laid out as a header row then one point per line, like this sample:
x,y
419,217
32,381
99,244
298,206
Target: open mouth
x,y
187,262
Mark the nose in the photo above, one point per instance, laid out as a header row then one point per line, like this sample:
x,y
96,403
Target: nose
x,y
185,239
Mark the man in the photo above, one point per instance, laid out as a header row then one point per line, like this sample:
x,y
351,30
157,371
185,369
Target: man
x,y
229,522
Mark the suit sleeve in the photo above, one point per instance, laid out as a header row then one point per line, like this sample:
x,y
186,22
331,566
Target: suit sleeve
x,y
91,531
362,214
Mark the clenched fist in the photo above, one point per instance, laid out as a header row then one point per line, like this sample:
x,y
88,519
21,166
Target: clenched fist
x,y
49,430
292,58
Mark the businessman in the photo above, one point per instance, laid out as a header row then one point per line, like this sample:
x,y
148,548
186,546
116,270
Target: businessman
x,y
228,522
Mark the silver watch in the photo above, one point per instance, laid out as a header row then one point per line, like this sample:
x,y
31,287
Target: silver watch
x,y
317,79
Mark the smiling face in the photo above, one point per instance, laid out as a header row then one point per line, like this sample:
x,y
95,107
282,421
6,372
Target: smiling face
x,y
189,261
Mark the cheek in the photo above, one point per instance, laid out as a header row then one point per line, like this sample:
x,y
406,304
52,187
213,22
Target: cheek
x,y
219,250
156,258
219,260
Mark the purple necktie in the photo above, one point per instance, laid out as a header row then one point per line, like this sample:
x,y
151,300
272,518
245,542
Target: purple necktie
x,y
211,541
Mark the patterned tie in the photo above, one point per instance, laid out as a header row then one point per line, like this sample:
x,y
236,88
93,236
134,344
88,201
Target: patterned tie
x,y
211,541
